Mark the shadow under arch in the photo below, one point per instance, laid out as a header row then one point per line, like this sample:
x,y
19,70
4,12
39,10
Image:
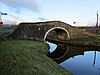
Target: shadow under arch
x,y
60,31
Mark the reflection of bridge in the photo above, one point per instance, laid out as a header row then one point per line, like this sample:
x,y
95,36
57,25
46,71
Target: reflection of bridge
x,y
64,52
40,31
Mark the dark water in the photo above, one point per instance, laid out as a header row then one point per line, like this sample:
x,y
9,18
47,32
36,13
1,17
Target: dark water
x,y
80,60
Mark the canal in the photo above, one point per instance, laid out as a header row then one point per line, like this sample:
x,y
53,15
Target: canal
x,y
80,60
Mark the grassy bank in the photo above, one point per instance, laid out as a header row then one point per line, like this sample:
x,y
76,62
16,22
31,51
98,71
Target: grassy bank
x,y
9,27
25,57
3,28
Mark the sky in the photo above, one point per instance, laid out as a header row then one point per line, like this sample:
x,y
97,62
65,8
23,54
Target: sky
x,y
83,12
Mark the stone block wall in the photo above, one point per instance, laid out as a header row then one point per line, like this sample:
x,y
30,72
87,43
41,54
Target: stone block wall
x,y
37,31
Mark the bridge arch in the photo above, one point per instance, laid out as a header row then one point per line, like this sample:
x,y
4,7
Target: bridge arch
x,y
39,31
57,28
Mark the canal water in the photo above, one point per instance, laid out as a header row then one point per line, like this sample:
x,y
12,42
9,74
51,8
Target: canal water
x,y
79,60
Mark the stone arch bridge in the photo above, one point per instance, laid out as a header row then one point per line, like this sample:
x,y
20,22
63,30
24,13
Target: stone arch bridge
x,y
50,29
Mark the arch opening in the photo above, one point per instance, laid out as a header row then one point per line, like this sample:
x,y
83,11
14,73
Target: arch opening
x,y
58,33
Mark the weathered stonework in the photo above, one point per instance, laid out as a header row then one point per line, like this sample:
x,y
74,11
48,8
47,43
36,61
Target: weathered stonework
x,y
92,30
37,31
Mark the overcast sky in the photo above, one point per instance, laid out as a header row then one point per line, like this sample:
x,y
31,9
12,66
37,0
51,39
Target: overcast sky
x,y
83,12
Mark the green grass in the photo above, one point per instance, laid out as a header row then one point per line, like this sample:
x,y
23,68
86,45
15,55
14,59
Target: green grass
x,y
27,57
5,28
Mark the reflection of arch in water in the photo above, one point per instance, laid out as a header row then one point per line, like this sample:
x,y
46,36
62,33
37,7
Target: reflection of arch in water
x,y
59,52
64,53
71,52
52,46
60,31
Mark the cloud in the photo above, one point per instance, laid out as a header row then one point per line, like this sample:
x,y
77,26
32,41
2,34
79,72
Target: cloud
x,y
19,5
41,19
